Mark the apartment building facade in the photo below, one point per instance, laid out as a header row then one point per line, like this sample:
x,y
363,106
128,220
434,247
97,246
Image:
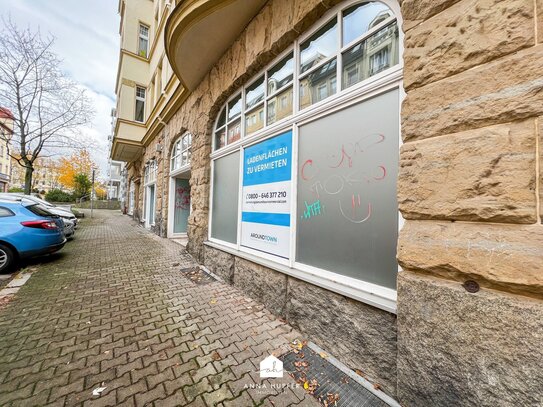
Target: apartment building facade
x,y
148,94
370,171
44,178
6,129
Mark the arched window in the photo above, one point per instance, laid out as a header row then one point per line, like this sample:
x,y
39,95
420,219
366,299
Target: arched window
x,y
181,152
354,46
149,174
305,156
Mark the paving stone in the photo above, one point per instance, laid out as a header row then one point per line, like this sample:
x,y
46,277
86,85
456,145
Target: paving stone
x,y
215,397
124,318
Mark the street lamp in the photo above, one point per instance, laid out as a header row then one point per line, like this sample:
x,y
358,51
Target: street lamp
x,y
92,191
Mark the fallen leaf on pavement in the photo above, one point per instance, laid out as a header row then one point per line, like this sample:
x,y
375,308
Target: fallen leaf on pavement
x,y
98,391
215,356
323,355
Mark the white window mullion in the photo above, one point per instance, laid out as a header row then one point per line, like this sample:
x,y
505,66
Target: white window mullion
x,y
240,196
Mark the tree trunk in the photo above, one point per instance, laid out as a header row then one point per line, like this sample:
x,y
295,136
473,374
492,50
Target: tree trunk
x,y
28,180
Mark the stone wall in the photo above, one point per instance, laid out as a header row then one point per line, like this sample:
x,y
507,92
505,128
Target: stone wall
x,y
361,336
470,190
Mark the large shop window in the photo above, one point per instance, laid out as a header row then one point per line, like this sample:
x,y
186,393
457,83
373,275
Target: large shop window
x,y
347,191
305,157
224,221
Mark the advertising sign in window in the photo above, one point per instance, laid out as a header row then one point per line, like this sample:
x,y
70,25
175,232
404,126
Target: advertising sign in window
x,y
265,218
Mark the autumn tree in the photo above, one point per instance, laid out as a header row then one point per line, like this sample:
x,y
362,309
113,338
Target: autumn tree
x,y
48,108
79,162
101,191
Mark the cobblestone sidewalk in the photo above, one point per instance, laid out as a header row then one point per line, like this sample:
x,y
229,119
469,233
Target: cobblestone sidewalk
x,y
113,310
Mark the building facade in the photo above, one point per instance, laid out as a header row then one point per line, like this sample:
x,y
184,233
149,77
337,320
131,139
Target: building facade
x,y
6,130
44,178
370,171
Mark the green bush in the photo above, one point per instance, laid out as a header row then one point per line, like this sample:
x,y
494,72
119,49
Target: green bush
x,y
16,189
58,195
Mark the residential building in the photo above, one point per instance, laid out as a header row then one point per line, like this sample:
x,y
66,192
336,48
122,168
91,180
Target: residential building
x,y
114,180
6,130
44,178
370,172
148,94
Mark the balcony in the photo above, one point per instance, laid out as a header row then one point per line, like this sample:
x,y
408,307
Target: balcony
x,y
127,143
198,32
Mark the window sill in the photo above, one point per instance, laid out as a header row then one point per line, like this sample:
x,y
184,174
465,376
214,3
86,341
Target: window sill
x,y
368,293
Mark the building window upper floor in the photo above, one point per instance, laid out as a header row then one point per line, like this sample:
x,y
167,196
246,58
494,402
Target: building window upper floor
x,y
140,104
143,41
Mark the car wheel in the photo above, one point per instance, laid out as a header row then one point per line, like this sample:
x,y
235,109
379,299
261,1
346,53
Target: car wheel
x,y
7,257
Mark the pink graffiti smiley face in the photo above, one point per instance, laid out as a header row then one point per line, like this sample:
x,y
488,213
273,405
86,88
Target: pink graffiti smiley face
x,y
341,178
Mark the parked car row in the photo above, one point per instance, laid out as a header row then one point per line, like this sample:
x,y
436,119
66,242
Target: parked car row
x,y
30,226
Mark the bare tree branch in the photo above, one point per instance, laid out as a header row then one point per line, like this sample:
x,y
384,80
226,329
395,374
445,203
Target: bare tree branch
x,y
49,108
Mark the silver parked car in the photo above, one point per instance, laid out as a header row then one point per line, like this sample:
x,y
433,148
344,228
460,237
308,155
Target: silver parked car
x,y
69,228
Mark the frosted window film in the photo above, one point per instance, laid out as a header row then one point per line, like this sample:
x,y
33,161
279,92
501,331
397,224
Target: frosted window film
x,y
224,222
347,209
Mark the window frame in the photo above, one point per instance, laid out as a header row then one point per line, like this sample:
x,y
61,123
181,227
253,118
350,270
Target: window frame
x,y
345,96
143,37
149,179
297,76
175,153
140,99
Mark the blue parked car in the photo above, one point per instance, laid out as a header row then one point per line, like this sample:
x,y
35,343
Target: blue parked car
x,y
27,229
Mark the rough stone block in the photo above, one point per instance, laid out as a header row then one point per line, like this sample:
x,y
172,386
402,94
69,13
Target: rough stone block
x,y
259,33
493,179
361,336
219,262
462,349
540,135
306,12
509,257
539,20
262,284
469,33
415,11
501,91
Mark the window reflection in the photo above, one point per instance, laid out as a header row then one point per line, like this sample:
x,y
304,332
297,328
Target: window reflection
x,y
220,138
254,93
234,131
280,74
222,118
254,120
371,56
361,18
280,106
318,85
234,107
319,46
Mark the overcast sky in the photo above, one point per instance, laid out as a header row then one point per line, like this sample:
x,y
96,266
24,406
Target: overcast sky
x,y
87,40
